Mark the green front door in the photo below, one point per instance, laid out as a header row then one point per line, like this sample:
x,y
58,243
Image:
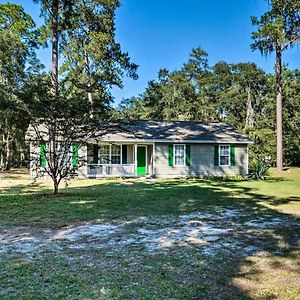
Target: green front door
x,y
141,161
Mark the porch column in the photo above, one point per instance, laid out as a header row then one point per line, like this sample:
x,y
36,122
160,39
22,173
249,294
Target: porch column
x,y
86,160
135,159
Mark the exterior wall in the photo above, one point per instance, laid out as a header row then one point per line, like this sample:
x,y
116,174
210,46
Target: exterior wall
x,y
149,159
202,162
82,156
35,160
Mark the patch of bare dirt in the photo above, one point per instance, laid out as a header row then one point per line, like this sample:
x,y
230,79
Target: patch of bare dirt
x,y
210,233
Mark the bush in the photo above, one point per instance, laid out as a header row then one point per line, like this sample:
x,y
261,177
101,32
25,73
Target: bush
x,y
259,169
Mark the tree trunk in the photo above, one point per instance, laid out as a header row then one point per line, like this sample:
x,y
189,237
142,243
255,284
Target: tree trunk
x,y
278,70
88,81
8,153
55,36
250,110
56,185
3,154
1,159
52,129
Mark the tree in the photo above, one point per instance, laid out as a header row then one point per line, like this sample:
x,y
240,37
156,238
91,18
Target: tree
x,y
17,62
57,153
238,94
57,14
291,116
240,90
278,29
94,61
178,95
60,116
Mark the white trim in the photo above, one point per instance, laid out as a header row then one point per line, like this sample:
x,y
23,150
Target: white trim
x,y
150,141
86,159
229,156
135,159
247,160
147,166
133,155
184,155
153,159
121,155
110,154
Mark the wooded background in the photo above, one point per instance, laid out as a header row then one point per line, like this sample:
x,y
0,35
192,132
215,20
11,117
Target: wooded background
x,y
87,62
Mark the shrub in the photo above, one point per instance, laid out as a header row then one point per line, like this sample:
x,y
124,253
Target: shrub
x,y
259,169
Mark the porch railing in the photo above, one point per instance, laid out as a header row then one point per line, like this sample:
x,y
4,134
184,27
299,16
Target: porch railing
x,y
94,170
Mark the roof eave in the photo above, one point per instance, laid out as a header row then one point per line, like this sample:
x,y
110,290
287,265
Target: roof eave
x,y
175,141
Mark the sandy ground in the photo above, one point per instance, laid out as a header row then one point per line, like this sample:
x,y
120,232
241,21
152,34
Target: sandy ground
x,y
213,232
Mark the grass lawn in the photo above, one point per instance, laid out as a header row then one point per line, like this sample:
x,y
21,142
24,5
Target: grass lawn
x,y
154,239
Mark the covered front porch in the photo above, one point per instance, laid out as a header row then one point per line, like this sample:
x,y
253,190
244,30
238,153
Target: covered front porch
x,y
120,159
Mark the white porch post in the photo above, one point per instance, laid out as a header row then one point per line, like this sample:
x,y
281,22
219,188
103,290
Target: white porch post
x,y
86,160
135,159
153,159
247,160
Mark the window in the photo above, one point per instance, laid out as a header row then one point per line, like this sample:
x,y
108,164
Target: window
x,y
179,155
224,155
63,153
109,154
104,154
115,154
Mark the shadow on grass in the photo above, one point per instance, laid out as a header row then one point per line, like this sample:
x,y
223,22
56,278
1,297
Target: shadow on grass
x,y
109,201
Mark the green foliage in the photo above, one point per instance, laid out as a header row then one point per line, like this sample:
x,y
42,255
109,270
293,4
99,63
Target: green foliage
x,y
278,26
94,269
277,30
259,169
291,116
92,63
17,63
93,60
239,94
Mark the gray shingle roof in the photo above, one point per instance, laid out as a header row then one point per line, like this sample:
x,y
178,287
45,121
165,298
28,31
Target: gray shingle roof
x,y
178,131
164,131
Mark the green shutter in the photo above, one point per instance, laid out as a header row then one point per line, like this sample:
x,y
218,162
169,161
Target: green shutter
x,y
188,155
171,163
232,155
74,155
216,155
43,158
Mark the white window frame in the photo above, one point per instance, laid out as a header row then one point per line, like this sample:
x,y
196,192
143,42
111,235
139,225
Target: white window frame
x,y
229,156
184,155
110,154
99,155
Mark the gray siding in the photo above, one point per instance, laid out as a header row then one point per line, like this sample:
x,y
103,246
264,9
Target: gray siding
x,y
82,155
202,162
149,159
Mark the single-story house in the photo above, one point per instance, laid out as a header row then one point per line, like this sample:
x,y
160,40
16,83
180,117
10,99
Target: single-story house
x,y
165,149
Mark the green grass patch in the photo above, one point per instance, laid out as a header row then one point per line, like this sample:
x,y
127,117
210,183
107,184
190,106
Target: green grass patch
x,y
181,271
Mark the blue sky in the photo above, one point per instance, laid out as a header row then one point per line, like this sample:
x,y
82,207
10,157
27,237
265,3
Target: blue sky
x,y
161,33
